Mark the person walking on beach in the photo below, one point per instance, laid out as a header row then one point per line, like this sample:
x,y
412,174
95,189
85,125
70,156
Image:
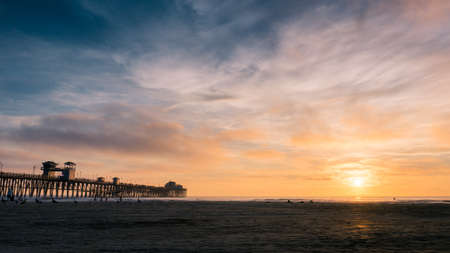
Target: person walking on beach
x,y
10,195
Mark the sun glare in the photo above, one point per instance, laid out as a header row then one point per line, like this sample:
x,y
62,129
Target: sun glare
x,y
357,182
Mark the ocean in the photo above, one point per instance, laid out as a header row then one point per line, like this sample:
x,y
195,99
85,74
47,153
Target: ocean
x,y
224,224
338,199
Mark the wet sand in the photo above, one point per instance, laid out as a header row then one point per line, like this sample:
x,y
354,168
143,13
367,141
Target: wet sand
x,y
189,226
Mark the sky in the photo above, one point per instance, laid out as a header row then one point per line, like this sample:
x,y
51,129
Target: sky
x,y
232,98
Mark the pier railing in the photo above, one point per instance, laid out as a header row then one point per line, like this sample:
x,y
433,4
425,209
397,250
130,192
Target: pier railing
x,y
30,185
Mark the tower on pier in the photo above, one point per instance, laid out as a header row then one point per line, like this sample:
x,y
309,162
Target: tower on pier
x,y
50,170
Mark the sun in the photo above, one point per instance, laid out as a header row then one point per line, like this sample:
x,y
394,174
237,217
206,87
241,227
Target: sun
x,y
357,182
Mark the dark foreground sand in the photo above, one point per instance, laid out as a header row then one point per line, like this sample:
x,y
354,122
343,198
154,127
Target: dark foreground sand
x,y
178,226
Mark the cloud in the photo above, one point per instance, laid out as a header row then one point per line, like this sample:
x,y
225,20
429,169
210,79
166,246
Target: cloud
x,y
368,124
64,21
426,12
214,95
119,131
263,154
13,157
214,91
242,134
441,134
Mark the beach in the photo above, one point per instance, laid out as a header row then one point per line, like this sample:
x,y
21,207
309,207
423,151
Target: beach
x,y
224,226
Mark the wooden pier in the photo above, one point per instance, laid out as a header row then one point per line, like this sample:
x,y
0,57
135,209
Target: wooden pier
x,y
39,186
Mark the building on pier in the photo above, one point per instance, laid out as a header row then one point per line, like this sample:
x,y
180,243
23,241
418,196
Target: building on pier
x,y
116,180
173,186
50,170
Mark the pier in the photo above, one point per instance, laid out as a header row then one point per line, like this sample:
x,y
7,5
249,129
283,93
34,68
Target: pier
x,y
48,185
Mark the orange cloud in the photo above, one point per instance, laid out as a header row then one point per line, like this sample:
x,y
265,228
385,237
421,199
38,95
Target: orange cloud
x,y
241,135
369,124
426,11
441,133
263,154
312,139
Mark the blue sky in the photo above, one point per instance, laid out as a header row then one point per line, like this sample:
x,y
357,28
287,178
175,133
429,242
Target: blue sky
x,y
51,46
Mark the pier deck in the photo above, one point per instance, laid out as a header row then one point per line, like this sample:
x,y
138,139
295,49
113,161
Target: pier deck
x,y
38,186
